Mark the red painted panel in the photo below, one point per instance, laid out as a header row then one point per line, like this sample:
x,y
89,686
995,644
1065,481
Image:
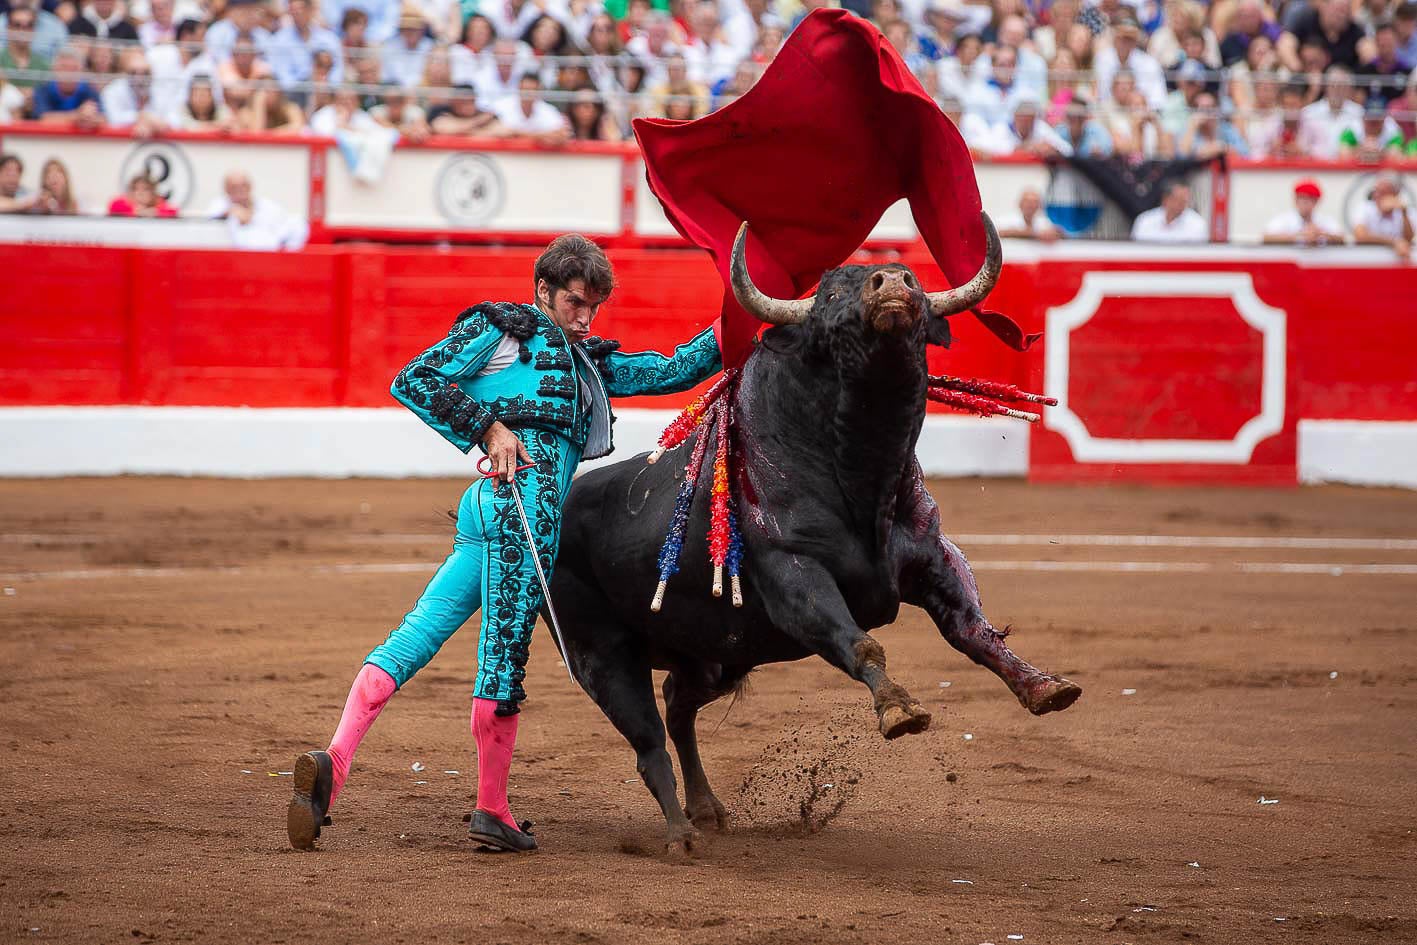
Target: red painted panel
x,y
63,325
1165,368
1354,343
1170,368
253,310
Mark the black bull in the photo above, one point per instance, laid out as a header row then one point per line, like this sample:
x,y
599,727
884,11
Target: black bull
x,y
838,531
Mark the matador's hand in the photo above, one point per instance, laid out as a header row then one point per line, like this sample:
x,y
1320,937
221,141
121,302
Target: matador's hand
x,y
504,449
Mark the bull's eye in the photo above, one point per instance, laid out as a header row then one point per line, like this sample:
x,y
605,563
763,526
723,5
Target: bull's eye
x,y
831,297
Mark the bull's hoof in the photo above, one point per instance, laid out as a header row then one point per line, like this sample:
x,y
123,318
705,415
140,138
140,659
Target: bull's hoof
x,y
1048,693
707,814
684,844
898,720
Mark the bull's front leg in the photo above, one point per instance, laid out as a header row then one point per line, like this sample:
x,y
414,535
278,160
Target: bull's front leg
x,y
937,577
803,601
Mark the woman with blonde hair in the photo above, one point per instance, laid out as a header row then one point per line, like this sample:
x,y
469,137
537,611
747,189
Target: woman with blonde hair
x,y
1182,17
201,111
1260,60
679,87
270,112
56,197
437,81
1079,42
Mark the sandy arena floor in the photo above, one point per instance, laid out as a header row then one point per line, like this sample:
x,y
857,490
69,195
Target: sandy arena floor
x,y
170,645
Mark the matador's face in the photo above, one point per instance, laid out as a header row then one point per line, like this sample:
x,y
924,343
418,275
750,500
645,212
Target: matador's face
x,y
573,308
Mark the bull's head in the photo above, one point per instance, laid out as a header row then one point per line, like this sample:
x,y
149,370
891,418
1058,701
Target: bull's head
x,y
890,297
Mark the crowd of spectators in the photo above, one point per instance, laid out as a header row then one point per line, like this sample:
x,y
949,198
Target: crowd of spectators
x,y
1383,219
252,222
1143,78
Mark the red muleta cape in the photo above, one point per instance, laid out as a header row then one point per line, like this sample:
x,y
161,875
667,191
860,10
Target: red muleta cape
x,y
836,130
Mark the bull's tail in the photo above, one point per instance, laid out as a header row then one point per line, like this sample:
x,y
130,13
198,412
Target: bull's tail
x,y
739,691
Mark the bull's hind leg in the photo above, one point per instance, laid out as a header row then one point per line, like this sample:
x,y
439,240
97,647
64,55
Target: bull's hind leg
x,y
803,602
938,579
687,689
620,683
614,668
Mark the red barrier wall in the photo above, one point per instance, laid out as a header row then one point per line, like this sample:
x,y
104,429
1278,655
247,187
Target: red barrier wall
x,y
326,327
332,325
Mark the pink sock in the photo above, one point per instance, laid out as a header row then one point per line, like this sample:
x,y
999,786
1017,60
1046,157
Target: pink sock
x,y
496,736
367,698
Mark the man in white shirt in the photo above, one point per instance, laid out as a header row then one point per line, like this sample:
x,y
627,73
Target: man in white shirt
x,y
159,27
1385,219
242,17
1322,123
528,115
1030,223
741,27
1031,72
710,59
510,18
1026,133
1123,52
173,67
255,222
1302,226
496,77
995,94
291,53
653,46
975,131
404,55
127,100
1172,222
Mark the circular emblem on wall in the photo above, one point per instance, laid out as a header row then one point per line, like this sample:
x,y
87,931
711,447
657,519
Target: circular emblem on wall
x,y
1361,187
469,189
165,163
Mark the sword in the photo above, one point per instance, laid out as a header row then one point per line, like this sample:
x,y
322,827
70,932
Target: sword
x,y
535,559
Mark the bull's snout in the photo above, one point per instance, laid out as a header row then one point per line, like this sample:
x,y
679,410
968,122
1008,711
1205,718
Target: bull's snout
x,y
891,300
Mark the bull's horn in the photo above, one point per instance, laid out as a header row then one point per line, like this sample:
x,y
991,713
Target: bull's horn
x,y
773,311
972,292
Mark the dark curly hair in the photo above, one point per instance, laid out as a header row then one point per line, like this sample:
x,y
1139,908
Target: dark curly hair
x,y
572,257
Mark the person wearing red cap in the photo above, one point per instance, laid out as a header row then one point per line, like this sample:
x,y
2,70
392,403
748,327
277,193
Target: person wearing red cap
x,y
1304,226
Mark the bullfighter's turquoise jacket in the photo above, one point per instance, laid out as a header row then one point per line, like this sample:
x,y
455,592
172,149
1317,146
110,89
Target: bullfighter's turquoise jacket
x,y
555,396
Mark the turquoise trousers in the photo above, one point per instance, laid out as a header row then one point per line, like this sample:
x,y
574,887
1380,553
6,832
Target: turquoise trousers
x,y
491,570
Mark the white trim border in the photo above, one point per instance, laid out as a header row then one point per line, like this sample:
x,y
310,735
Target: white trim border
x,y
1240,289
383,442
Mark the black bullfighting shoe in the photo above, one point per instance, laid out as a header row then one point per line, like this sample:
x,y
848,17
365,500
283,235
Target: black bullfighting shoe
x,y
497,836
314,779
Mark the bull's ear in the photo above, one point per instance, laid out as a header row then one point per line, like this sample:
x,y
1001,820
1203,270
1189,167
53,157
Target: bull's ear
x,y
937,332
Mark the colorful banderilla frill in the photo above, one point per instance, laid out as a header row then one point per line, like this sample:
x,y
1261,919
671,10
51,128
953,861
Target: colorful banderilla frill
x,y
984,398
687,422
733,562
718,500
712,415
679,521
